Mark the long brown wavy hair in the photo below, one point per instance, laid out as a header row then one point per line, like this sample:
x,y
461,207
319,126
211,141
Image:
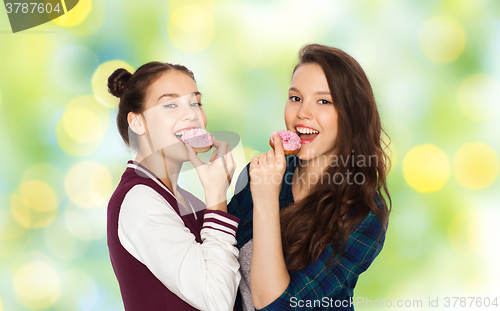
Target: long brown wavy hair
x,y
326,216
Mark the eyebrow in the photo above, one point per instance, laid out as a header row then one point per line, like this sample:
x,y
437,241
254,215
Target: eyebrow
x,y
317,93
175,95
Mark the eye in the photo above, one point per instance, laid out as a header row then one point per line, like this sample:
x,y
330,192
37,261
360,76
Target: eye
x,y
169,105
196,104
324,101
294,98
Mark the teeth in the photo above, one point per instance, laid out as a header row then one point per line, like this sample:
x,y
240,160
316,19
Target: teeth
x,y
180,133
304,130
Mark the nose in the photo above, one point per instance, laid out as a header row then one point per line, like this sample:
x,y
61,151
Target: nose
x,y
304,111
188,113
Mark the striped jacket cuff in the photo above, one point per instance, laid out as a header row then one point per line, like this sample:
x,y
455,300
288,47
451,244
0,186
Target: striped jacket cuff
x,y
221,221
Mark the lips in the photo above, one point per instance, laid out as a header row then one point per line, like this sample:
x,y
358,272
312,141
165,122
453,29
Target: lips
x,y
306,133
181,132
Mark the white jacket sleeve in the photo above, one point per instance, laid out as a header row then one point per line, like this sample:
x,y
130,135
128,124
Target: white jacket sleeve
x,y
205,275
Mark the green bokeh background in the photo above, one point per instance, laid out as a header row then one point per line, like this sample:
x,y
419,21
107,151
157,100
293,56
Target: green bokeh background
x,y
435,71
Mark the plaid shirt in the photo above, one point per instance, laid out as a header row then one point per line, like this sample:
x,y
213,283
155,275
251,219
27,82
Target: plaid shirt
x,y
315,283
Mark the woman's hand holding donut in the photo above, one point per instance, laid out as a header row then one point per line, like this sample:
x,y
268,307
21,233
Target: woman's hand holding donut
x,y
266,174
216,175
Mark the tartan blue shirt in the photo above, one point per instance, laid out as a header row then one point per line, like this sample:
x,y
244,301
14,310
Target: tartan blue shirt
x,y
315,287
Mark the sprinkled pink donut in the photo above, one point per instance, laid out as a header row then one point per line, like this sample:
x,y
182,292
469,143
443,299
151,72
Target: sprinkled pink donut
x,y
199,139
291,141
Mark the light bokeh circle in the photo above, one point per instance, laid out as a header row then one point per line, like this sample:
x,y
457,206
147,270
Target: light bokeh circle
x,y
462,233
75,16
10,229
88,184
85,120
35,205
78,225
87,224
39,196
479,97
61,243
72,64
476,165
426,168
82,126
21,212
100,82
48,174
441,39
79,291
37,285
191,27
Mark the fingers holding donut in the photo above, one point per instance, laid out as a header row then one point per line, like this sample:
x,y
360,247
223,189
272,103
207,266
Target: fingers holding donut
x,y
279,152
289,142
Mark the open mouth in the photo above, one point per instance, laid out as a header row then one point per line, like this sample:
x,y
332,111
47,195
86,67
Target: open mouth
x,y
181,132
306,134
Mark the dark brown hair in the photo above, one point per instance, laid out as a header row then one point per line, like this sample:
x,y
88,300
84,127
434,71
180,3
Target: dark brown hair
x,y
132,89
330,213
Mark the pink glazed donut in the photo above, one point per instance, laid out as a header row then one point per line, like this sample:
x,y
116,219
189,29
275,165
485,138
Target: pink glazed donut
x,y
291,141
199,139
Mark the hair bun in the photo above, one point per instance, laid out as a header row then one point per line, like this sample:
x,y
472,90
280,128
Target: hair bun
x,y
117,82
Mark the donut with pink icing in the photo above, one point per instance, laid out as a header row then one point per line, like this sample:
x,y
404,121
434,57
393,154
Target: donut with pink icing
x,y
199,139
290,140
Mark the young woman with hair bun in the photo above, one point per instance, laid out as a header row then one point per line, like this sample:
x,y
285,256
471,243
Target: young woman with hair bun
x,y
168,249
311,223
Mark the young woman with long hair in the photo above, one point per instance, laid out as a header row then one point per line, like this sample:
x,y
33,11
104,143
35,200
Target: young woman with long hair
x,y
311,223
168,250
